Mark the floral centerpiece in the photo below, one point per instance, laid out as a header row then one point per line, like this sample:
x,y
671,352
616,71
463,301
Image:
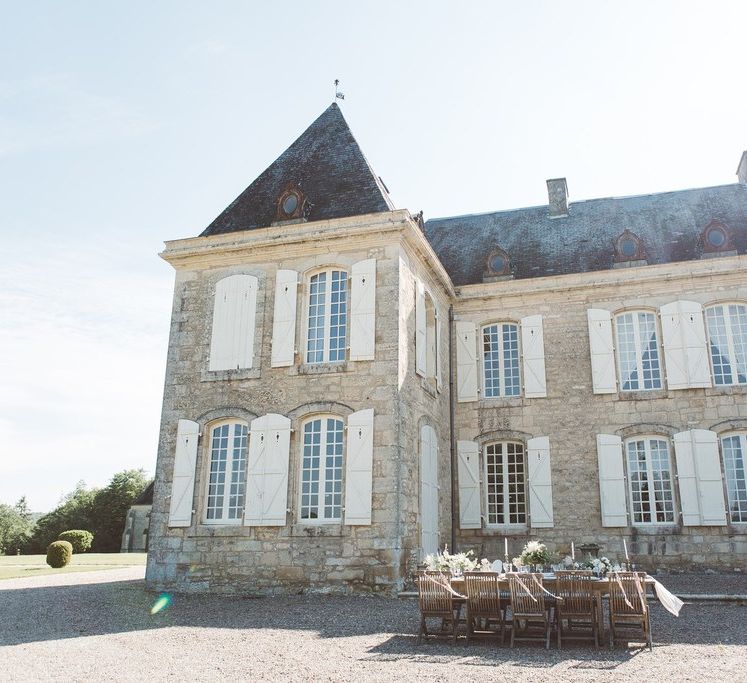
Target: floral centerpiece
x,y
534,553
599,565
456,563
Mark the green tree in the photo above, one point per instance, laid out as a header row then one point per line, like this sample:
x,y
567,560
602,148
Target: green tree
x,y
110,507
75,511
15,526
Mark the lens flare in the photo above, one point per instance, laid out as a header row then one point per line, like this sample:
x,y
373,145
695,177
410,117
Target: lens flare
x,y
164,600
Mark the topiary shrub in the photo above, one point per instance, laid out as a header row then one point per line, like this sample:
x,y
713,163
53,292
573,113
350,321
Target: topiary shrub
x,y
59,554
80,540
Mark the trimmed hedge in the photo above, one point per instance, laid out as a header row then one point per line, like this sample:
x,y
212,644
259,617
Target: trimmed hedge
x,y
80,540
59,554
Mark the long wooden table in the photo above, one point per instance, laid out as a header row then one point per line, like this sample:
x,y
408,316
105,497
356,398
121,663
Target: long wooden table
x,y
600,586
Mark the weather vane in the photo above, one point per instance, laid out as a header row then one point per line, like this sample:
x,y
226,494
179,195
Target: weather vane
x,y
338,94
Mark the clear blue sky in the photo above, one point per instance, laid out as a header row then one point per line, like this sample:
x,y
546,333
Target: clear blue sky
x,y
122,125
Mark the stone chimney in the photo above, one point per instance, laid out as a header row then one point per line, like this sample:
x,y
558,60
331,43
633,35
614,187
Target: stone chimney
x,y
557,192
742,169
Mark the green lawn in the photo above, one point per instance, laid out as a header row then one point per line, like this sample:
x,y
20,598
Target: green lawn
x,y
19,566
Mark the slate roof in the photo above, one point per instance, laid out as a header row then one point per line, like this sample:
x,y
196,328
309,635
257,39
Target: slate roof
x,y
146,497
329,167
670,225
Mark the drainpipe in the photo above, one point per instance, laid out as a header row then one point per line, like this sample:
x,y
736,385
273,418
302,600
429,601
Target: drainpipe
x,y
452,434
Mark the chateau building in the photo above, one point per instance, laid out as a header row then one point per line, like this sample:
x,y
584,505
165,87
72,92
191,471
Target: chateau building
x,y
349,388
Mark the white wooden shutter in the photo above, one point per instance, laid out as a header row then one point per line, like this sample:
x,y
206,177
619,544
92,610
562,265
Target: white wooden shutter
x,y
611,480
284,319
420,331
533,350
466,353
602,351
439,342
686,478
699,477
234,314
363,310
183,478
359,468
540,482
428,490
685,347
267,471
469,485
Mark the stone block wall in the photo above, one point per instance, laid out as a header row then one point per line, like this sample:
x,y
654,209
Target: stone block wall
x,y
298,556
572,415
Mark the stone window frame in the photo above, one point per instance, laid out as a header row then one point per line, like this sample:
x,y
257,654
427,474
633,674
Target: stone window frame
x,y
730,338
519,359
298,497
647,437
431,335
506,526
306,303
616,315
207,452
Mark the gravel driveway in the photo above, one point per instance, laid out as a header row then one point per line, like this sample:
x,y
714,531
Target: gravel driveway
x,y
98,626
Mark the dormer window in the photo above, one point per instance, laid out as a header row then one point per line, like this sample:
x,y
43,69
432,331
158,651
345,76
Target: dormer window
x,y
291,204
716,238
629,247
498,264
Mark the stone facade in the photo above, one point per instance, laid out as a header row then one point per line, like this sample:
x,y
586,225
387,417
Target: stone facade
x,y
302,556
431,280
572,415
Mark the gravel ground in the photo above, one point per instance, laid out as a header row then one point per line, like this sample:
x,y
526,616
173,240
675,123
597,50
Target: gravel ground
x,y
97,626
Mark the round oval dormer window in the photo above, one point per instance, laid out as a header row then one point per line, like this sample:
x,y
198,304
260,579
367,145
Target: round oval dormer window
x,y
716,237
497,263
290,204
628,247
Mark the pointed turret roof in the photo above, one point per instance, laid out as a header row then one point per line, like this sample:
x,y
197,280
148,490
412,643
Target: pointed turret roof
x,y
326,164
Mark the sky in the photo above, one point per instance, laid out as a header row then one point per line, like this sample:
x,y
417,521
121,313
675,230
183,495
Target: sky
x,y
126,124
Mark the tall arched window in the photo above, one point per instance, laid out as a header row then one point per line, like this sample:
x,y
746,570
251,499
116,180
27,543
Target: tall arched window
x,y
505,483
650,480
226,481
321,470
734,450
500,354
638,351
727,338
327,315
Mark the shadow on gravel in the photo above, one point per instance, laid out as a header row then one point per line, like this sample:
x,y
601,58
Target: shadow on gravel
x,y
60,612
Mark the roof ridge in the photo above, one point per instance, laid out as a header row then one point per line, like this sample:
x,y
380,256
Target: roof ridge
x,y
582,201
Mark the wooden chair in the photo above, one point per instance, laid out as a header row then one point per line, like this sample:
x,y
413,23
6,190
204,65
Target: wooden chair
x,y
628,605
529,608
436,601
483,602
576,604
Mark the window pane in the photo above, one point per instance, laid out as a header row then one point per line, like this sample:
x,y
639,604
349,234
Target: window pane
x,y
734,449
650,481
491,359
638,351
316,328
501,360
505,483
727,335
217,475
511,360
238,473
338,316
310,470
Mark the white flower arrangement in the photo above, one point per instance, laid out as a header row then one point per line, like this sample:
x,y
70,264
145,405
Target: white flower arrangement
x,y
456,563
535,553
